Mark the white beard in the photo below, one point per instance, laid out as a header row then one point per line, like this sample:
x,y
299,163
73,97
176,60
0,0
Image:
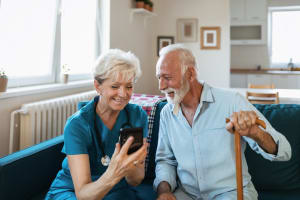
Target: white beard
x,y
179,94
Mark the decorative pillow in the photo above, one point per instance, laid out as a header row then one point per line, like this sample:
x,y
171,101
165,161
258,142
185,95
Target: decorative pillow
x,y
267,175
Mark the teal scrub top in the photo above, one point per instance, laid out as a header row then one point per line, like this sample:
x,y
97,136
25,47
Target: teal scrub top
x,y
80,138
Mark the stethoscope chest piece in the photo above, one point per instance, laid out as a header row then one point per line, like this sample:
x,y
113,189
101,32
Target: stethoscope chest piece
x,y
105,160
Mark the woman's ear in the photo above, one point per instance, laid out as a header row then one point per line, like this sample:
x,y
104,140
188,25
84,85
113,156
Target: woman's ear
x,y
97,87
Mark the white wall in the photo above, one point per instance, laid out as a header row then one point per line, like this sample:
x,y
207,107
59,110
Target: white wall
x,y
214,64
136,37
252,55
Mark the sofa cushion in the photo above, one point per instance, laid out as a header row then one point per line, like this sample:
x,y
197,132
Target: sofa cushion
x,y
279,195
27,173
267,175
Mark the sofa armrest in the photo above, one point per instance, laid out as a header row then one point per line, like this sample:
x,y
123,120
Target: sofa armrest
x,y
29,172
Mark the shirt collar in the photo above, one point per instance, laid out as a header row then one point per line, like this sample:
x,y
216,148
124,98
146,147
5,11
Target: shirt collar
x,y
206,96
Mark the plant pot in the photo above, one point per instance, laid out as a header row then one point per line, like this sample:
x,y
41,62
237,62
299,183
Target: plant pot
x,y
65,78
146,6
139,4
3,84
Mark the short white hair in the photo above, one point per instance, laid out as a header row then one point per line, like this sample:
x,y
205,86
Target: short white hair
x,y
115,62
186,56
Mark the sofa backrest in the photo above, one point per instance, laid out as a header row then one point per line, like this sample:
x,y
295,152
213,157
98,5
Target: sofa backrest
x,y
267,175
29,172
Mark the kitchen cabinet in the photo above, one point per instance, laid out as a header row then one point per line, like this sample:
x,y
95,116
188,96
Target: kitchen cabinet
x,y
256,10
259,79
238,81
286,81
281,81
248,22
248,10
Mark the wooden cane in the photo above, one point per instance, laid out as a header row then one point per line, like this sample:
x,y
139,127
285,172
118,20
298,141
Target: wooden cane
x,y
238,158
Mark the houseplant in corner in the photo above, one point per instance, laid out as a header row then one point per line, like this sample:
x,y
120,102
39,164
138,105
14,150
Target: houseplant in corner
x,y
147,5
3,80
150,6
65,73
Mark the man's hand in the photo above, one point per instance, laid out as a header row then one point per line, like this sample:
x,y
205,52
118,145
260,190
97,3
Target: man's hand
x,y
164,191
166,196
244,123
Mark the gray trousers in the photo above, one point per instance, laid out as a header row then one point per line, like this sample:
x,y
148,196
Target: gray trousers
x,y
248,191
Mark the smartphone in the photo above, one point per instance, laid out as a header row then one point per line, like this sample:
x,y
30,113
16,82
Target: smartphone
x,y
137,133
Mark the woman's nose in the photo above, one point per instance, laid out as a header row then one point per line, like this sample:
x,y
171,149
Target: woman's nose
x,y
122,92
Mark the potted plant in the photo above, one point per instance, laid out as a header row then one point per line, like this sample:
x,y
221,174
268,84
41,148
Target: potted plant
x,y
151,6
65,73
3,80
147,5
139,3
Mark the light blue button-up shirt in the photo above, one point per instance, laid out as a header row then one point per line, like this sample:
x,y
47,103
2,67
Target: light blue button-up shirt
x,y
202,156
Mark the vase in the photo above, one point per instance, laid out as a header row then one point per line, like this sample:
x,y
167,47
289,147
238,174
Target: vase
x,y
65,78
3,84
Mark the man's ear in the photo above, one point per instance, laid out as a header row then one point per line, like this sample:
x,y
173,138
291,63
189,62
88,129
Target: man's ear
x,y
191,73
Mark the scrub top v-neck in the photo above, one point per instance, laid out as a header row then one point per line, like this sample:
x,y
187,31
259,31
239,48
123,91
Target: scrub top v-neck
x,y
80,138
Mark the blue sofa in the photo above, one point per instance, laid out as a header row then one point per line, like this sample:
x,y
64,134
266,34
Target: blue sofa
x,y
27,174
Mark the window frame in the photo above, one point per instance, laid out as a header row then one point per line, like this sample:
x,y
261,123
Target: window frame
x,y
270,39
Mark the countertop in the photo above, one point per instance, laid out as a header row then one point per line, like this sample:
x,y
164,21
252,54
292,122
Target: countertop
x,y
280,71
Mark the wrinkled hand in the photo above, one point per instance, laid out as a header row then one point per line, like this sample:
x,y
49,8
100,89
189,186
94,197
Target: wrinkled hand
x,y
121,163
244,123
166,196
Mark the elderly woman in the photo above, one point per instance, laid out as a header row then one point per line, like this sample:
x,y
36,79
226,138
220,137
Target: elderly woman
x,y
96,167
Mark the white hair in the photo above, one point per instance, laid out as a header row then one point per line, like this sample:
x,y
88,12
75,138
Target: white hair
x,y
186,56
115,62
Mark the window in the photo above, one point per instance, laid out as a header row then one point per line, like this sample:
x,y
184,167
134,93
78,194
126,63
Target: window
x,y
37,37
78,34
284,36
26,40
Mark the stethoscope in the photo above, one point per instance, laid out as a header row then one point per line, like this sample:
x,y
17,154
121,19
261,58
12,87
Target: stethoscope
x,y
105,159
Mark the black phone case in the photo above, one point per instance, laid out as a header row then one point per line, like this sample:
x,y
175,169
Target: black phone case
x,y
137,133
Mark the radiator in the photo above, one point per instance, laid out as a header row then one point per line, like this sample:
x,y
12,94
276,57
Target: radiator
x,y
39,121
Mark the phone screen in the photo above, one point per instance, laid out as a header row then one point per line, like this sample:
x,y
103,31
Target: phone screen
x,y
137,133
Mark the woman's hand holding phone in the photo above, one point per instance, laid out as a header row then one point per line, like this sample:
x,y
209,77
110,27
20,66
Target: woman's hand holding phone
x,y
123,165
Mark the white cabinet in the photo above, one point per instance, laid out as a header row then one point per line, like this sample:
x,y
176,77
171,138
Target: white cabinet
x,y
238,81
259,79
237,10
256,10
283,81
286,81
248,10
248,22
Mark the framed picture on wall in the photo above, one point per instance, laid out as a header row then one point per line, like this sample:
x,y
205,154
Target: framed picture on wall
x,y
187,30
163,41
210,37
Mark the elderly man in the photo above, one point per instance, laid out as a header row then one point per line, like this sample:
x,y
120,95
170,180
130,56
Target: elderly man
x,y
195,153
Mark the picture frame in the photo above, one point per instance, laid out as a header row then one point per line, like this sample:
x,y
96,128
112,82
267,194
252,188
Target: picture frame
x,y
163,41
210,37
187,29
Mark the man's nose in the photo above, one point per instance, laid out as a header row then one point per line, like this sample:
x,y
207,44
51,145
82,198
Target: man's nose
x,y
162,84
